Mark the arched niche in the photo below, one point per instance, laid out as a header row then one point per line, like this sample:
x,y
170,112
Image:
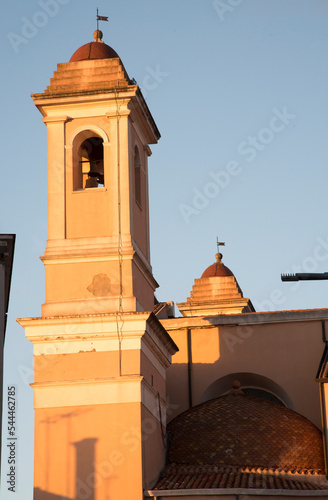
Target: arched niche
x,y
249,381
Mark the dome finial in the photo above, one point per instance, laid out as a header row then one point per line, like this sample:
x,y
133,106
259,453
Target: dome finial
x,y
97,35
236,388
218,257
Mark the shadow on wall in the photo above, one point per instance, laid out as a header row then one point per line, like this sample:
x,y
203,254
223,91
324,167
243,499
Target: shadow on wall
x,y
45,495
85,474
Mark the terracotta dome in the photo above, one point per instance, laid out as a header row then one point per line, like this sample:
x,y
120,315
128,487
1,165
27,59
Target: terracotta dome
x,y
217,269
244,431
93,50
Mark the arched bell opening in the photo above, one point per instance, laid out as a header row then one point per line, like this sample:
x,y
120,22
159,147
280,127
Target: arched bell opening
x,y
88,171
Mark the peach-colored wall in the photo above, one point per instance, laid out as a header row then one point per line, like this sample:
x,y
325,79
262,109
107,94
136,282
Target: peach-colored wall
x,y
93,421
97,365
139,213
86,365
154,441
286,353
70,280
94,212
89,431
89,452
56,179
91,215
142,289
152,375
88,213
177,376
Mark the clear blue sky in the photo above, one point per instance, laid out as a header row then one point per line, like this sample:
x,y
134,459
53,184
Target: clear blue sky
x,y
238,89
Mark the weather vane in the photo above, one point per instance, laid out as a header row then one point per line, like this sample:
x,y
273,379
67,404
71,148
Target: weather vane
x,y
100,18
218,243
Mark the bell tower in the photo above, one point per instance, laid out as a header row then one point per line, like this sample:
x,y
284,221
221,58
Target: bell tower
x,y
99,129
100,353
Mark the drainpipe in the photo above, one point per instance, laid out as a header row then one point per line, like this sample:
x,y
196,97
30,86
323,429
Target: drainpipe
x,y
323,330
189,367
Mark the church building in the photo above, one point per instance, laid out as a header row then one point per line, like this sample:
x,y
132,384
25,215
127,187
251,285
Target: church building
x,y
132,401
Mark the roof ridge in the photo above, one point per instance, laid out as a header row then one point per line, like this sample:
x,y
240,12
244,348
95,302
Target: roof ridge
x,y
248,470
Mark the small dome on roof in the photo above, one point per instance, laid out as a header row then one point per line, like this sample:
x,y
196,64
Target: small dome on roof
x,y
94,50
245,431
217,269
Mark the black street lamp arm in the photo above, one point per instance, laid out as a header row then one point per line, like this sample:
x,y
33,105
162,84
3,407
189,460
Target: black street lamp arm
x,y
304,276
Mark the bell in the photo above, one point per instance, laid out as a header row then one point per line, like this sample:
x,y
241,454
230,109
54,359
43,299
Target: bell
x,y
96,170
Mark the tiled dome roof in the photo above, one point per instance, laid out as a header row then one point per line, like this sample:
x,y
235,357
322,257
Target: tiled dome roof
x,y
93,50
217,269
244,431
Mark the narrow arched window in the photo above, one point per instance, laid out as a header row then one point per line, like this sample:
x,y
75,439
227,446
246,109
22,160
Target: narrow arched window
x,y
89,163
137,176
